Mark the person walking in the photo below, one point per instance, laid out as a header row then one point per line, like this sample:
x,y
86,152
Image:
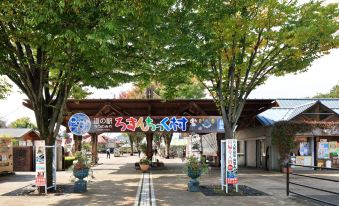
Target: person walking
x,y
139,152
108,152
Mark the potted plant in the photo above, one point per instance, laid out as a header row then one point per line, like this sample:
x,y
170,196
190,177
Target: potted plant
x,y
194,169
144,164
80,171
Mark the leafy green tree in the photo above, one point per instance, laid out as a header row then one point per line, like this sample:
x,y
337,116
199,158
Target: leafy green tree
x,y
5,88
334,93
24,122
234,46
78,92
49,47
191,89
135,137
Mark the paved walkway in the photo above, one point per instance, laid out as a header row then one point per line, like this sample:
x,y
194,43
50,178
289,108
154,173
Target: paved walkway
x,y
118,183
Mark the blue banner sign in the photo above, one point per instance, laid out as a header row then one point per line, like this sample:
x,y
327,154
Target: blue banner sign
x,y
79,124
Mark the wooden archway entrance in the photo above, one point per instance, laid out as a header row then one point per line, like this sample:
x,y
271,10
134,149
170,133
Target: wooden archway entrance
x,y
158,108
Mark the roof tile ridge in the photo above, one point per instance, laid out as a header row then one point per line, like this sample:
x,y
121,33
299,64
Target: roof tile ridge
x,y
302,105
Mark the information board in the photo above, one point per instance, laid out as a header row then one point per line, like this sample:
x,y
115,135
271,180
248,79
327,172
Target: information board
x,y
323,150
304,160
229,164
40,163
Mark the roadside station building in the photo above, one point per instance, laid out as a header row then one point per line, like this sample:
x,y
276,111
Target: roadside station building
x,y
317,147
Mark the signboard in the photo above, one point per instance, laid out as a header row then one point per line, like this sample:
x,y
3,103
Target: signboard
x,y
40,163
231,162
304,160
304,149
79,124
333,147
6,155
22,143
323,150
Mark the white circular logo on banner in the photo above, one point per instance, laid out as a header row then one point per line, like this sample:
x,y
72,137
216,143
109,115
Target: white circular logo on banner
x,y
79,124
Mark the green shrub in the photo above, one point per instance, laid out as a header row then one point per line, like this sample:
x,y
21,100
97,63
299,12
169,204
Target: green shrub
x,y
144,161
143,148
69,161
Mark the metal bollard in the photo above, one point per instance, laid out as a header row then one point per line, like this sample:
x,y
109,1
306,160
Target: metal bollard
x,y
287,179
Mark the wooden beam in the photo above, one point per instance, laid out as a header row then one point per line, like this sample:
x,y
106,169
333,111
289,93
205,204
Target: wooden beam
x,y
119,110
199,109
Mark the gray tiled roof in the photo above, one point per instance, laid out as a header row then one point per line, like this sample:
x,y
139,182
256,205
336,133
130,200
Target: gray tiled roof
x,y
14,132
292,103
290,108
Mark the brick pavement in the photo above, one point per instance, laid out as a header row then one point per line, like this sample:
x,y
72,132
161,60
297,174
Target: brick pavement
x,y
117,182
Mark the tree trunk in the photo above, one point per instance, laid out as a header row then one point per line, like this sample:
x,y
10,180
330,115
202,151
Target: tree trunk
x,y
49,164
94,140
132,151
130,136
149,138
168,139
77,143
220,136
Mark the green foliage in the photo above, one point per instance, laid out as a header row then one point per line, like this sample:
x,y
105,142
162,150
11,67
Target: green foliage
x,y
144,161
284,132
5,88
24,122
78,92
136,137
15,142
193,164
196,146
334,93
51,49
188,89
234,46
143,148
86,146
283,135
69,161
70,158
82,161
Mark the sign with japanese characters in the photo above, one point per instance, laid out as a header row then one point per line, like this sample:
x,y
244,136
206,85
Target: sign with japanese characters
x,y
40,163
304,160
323,150
231,162
197,124
79,124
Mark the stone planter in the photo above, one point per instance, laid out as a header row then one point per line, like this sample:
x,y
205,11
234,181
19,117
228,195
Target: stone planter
x,y
80,185
193,184
144,167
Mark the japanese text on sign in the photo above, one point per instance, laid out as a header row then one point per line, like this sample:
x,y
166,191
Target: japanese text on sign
x,y
147,124
231,162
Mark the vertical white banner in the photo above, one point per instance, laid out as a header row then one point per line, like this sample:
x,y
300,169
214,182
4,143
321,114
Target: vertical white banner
x,y
40,163
231,163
